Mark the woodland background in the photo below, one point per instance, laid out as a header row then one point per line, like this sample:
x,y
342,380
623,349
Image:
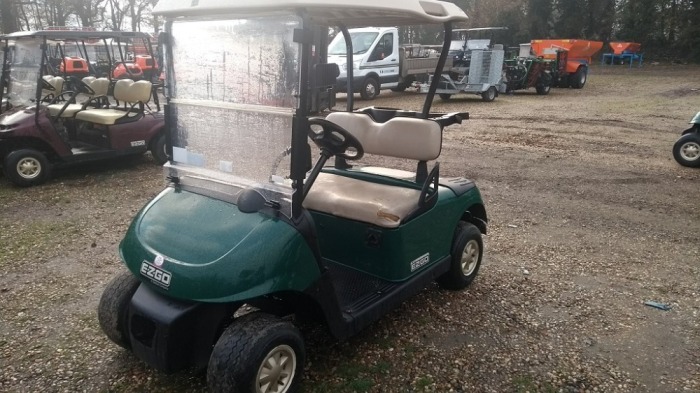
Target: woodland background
x,y
669,30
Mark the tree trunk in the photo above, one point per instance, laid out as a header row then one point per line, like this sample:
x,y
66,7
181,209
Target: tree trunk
x,y
9,16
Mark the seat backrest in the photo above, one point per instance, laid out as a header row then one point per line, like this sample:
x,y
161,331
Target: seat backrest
x,y
126,90
56,82
99,85
400,137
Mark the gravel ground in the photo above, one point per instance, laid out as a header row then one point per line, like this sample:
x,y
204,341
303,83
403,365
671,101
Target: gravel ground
x,y
590,216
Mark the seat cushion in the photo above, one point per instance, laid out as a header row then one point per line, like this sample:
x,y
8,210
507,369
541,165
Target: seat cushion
x,y
103,116
70,110
378,204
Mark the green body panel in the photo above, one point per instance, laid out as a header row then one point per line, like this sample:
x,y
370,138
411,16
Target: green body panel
x,y
345,241
215,252
696,119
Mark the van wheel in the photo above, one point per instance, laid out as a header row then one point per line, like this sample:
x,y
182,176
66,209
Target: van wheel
x,y
445,96
579,78
113,307
158,149
467,250
370,89
26,167
258,353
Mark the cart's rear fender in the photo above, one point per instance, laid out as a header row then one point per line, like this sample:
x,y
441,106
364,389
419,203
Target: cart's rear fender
x,y
194,247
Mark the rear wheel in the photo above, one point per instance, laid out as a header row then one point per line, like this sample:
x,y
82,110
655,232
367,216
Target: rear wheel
x,y
489,95
445,97
27,167
370,89
258,353
112,312
686,150
579,78
467,250
158,149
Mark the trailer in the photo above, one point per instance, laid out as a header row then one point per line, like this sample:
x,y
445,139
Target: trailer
x,y
570,57
623,53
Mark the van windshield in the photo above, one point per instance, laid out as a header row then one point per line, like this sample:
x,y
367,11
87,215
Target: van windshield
x,y
361,42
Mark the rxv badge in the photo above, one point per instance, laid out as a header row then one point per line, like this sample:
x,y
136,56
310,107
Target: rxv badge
x,y
158,276
138,143
420,262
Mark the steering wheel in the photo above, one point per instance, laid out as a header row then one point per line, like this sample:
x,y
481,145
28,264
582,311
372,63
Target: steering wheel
x,y
81,87
334,139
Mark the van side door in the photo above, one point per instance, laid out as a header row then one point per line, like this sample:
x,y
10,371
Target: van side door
x,y
384,58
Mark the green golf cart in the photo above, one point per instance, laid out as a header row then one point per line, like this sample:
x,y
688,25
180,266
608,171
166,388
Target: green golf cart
x,y
252,216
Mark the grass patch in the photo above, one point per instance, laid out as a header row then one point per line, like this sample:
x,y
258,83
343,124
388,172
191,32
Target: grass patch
x,y
423,382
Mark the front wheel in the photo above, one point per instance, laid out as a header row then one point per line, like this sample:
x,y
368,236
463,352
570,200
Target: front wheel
x,y
370,89
489,95
26,167
544,84
258,353
112,311
579,78
445,96
467,251
686,150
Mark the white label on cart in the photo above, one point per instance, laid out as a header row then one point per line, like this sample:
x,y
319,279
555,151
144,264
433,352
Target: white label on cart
x,y
420,262
138,143
158,276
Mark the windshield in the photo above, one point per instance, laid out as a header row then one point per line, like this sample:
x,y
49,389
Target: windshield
x,y
361,43
233,87
24,65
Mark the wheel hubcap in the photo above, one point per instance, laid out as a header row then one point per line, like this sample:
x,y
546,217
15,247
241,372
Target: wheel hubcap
x,y
470,257
370,90
276,373
29,168
690,151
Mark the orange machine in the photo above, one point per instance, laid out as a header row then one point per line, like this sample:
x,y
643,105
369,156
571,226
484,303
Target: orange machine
x,y
625,47
578,51
73,65
125,70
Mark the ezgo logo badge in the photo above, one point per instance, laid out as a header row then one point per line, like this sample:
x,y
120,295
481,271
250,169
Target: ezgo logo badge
x,y
158,276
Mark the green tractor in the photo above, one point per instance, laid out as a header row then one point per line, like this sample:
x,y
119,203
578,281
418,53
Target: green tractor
x,y
526,70
251,216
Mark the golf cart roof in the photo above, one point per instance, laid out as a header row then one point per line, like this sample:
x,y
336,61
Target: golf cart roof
x,y
324,12
74,35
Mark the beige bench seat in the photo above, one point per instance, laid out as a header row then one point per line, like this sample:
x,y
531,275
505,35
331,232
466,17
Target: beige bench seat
x,y
379,204
99,86
126,91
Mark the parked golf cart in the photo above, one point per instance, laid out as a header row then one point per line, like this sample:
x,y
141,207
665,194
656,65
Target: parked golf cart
x,y
248,219
686,150
63,113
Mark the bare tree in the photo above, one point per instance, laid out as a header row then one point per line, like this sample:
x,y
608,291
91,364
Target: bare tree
x,y
9,16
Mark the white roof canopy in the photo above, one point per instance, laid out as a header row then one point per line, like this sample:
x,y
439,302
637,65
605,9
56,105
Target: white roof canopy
x,y
323,12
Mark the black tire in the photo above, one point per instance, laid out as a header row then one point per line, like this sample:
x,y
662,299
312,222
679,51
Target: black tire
x,y
578,80
370,89
489,95
686,150
243,349
399,89
466,246
26,167
157,149
112,311
544,85
445,96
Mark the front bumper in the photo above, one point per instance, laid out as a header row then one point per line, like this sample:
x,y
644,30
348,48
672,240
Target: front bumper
x,y
172,335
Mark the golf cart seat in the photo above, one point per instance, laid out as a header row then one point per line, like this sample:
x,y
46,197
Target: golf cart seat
x,y
51,87
98,88
134,95
379,204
